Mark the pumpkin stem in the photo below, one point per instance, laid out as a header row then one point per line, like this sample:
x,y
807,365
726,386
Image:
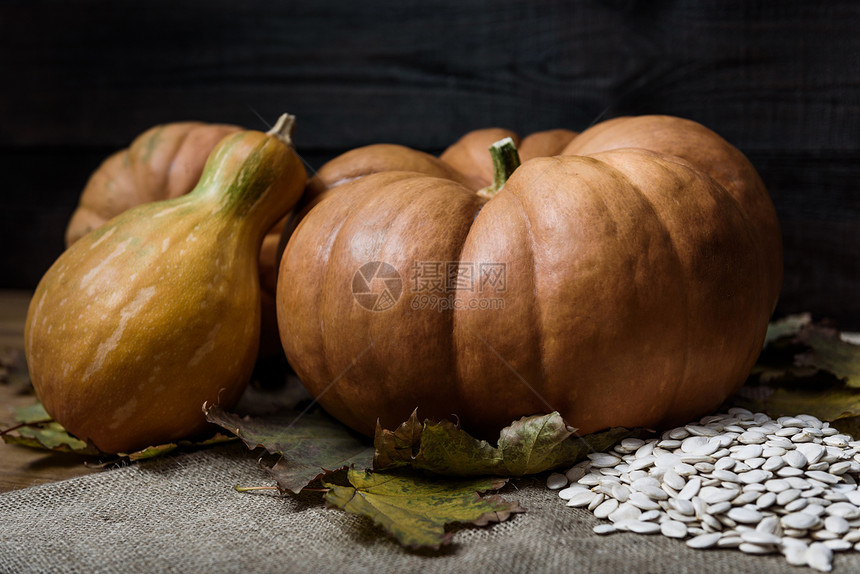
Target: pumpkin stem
x,y
283,129
505,161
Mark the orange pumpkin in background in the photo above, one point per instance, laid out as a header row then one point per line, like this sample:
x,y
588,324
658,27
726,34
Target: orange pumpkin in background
x,y
143,320
164,162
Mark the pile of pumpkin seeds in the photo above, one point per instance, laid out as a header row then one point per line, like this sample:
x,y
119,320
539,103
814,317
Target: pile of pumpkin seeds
x,y
737,480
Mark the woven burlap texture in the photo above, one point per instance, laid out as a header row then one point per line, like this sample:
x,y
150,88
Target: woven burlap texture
x,y
181,514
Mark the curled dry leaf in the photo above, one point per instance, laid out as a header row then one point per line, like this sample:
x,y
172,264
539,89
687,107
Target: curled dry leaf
x,y
829,352
36,429
310,444
806,367
529,445
787,327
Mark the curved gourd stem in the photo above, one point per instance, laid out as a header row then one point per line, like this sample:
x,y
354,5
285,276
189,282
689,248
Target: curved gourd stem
x,y
506,159
283,129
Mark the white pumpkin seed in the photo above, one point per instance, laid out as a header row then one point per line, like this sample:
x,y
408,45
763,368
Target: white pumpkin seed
x,y
625,511
813,508
643,527
590,479
798,482
748,548
596,501
700,430
729,541
797,504
674,480
699,446
795,555
766,500
745,515
748,451
802,437
567,493
822,476
844,509
813,492
752,437
555,481
745,498
619,492
769,525
838,545
641,462
651,515
725,475
819,557
740,480
710,523
581,498
719,508
776,485
756,537
823,535
603,460
789,471
646,449
772,451
606,508
691,489
812,452
839,440
787,496
575,473
795,458
632,444
704,540
714,494
673,529
835,496
678,433
798,521
755,476
641,501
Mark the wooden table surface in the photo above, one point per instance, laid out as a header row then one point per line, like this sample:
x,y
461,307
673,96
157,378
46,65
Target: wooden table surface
x,y
22,466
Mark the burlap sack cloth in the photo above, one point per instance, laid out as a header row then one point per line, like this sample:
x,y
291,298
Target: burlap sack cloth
x,y
180,514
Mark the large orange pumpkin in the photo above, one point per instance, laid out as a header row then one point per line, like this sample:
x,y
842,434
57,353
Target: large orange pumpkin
x,y
164,162
625,279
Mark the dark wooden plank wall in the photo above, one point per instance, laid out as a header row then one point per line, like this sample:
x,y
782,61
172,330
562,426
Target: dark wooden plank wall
x,y
781,80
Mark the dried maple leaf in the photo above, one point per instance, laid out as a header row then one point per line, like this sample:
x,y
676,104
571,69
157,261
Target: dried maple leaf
x,y
415,509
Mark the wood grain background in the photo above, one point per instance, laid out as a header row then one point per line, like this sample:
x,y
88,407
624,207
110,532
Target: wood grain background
x,y
780,80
